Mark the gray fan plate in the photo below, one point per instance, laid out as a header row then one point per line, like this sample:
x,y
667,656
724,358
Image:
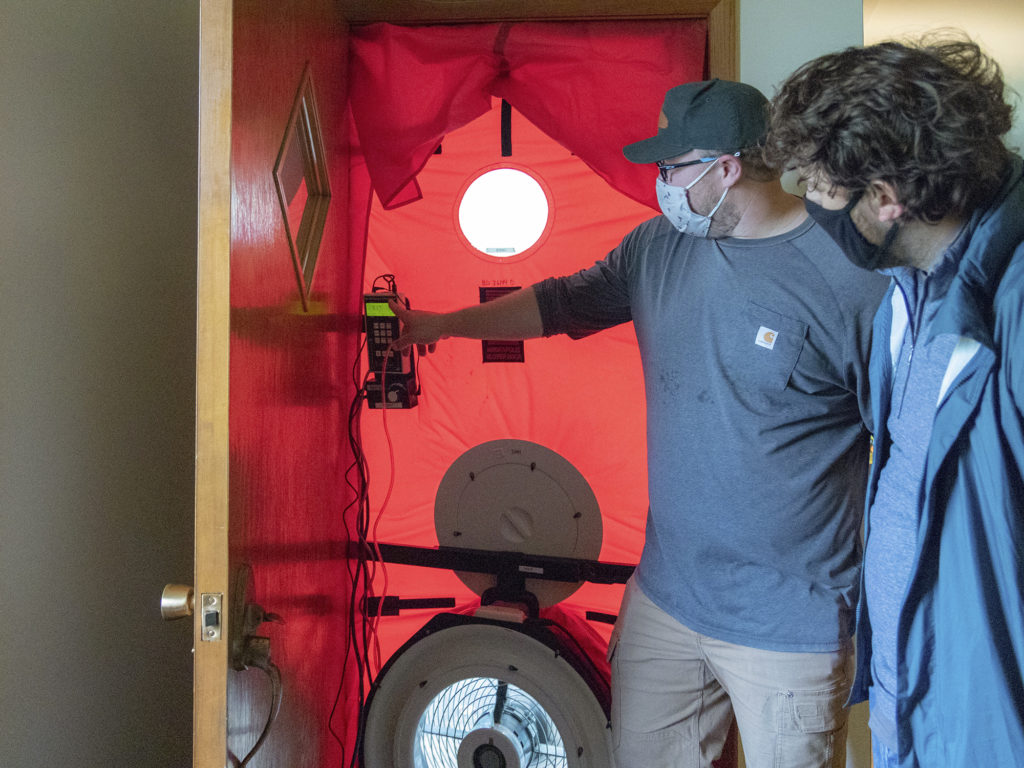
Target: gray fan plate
x,y
514,495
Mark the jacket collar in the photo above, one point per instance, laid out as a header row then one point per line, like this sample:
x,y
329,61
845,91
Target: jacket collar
x,y
994,233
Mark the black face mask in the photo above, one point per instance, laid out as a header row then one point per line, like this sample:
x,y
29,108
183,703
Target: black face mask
x,y
841,228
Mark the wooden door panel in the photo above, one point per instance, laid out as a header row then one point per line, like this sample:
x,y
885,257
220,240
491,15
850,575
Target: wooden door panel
x,y
271,377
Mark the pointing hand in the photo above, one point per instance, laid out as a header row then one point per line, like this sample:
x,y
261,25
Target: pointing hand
x,y
417,327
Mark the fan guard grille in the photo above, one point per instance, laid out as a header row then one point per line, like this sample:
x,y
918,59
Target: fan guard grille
x,y
444,700
487,703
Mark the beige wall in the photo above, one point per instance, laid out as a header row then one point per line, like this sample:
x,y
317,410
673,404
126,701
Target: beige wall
x,y
997,25
776,38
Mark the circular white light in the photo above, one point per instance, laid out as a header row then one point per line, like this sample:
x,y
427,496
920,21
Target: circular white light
x,y
503,212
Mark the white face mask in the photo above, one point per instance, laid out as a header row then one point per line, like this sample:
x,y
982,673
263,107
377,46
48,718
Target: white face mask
x,y
676,207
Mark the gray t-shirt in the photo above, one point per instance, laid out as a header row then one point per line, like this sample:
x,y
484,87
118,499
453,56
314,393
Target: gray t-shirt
x,y
754,354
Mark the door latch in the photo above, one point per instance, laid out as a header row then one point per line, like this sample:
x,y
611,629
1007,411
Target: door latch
x,y
212,606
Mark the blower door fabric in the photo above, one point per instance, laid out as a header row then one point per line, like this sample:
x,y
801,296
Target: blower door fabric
x,y
591,86
582,399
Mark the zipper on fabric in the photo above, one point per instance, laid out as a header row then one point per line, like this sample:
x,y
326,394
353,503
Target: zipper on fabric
x,y
912,331
915,319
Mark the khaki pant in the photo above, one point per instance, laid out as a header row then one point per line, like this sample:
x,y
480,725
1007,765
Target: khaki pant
x,y
674,692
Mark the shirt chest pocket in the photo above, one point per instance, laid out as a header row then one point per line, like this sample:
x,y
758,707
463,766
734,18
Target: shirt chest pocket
x,y
763,349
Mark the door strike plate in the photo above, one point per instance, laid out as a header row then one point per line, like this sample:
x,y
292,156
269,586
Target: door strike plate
x,y
212,616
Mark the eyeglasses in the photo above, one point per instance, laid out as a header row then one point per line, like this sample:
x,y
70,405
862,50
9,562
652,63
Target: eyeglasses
x,y
664,168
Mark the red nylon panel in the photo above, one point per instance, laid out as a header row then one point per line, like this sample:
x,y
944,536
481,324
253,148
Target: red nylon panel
x,y
582,399
597,87
592,86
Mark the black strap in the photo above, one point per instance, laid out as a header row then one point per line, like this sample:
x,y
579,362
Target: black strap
x,y
506,129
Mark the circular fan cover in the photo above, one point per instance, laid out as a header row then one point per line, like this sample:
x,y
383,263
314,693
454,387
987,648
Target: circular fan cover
x,y
483,695
514,495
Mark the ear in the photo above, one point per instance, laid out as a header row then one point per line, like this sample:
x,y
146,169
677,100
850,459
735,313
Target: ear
x,y
886,201
731,169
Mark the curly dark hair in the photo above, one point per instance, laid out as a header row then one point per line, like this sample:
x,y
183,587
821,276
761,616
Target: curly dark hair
x,y
926,117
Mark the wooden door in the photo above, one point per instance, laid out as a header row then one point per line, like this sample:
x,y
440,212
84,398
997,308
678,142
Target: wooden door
x,y
274,349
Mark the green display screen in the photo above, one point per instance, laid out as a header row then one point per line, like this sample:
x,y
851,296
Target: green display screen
x,y
378,309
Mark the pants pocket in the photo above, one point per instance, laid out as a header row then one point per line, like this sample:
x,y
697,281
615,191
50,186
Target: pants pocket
x,y
811,729
811,711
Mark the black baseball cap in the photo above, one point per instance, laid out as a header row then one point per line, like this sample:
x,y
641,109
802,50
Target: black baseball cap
x,y
711,114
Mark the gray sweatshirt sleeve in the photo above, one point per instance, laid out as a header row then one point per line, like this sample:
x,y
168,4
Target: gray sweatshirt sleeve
x,y
592,299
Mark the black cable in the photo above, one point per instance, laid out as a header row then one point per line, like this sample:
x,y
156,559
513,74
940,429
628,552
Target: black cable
x,y
364,569
357,480
389,282
351,647
360,571
276,691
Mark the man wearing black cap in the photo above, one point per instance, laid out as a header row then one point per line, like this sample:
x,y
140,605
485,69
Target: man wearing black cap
x,y
754,332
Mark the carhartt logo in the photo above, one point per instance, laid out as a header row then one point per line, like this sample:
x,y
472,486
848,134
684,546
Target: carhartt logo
x,y
766,337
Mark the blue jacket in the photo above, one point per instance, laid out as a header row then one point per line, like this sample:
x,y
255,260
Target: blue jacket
x,y
960,637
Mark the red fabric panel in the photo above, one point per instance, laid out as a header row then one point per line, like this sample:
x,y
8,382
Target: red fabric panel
x,y
592,86
409,87
582,399
601,87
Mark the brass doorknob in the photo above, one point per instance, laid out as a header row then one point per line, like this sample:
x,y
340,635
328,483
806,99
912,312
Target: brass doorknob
x,y
177,602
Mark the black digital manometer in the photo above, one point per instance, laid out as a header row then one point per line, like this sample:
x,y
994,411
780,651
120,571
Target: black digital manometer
x,y
391,375
382,328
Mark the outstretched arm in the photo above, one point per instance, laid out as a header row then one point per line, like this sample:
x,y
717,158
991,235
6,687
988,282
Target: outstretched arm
x,y
515,315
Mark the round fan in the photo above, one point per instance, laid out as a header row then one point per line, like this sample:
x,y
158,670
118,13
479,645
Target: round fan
x,y
473,693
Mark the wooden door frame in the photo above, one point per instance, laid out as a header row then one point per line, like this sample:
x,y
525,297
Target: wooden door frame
x,y
213,303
